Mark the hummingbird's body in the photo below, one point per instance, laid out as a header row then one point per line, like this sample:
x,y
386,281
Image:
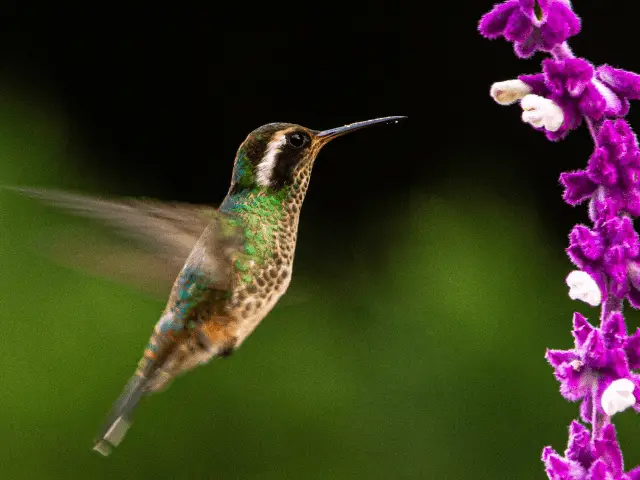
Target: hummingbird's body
x,y
260,272
239,257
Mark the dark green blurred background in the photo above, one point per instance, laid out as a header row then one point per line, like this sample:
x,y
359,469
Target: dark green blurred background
x,y
429,272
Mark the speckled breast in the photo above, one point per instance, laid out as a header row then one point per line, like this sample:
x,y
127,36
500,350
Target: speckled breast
x,y
263,270
259,285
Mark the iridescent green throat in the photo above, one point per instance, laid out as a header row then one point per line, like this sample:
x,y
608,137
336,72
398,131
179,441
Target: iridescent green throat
x,y
261,212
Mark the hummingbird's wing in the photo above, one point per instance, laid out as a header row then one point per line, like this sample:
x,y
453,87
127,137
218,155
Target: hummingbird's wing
x,y
163,235
203,240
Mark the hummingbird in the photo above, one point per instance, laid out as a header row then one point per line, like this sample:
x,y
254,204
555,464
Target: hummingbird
x,y
239,257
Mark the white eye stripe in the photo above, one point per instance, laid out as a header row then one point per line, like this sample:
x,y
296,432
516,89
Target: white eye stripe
x,y
265,167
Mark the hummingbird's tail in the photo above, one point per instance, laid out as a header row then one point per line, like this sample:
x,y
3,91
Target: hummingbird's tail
x,y
119,420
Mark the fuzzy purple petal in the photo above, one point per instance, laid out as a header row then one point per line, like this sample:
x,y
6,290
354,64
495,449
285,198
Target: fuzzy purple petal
x,y
554,31
614,330
537,83
632,202
581,330
632,349
527,47
607,449
609,135
518,28
594,351
560,357
579,74
616,268
599,277
573,383
601,169
579,447
624,83
569,76
493,23
636,391
630,173
571,19
577,186
586,409
559,468
620,232
592,103
605,206
528,8
571,111
587,243
617,364
599,471
634,299
555,75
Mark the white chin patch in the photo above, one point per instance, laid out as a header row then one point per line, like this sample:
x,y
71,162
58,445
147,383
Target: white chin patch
x,y
265,167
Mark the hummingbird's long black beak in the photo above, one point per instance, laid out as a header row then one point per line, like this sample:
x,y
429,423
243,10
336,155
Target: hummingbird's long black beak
x,y
332,133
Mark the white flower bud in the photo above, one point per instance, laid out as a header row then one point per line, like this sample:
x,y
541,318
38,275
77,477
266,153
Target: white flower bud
x,y
541,112
583,287
510,91
618,396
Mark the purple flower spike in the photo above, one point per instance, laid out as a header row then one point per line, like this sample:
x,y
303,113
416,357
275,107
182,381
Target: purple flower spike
x,y
609,251
615,163
531,25
570,77
625,84
600,459
598,358
600,371
572,85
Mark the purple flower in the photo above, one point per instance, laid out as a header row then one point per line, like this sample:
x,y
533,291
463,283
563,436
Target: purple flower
x,y
626,85
598,358
614,167
531,25
597,371
572,85
608,253
587,460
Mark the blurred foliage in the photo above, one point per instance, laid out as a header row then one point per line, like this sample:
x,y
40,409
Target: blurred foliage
x,y
428,364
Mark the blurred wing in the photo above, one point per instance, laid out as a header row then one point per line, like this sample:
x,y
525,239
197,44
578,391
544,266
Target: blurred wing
x,y
164,235
167,228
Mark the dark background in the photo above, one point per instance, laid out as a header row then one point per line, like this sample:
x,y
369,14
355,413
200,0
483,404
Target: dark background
x,y
430,265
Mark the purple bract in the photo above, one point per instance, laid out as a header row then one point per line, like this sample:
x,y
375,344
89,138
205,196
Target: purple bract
x,y
585,458
600,356
531,25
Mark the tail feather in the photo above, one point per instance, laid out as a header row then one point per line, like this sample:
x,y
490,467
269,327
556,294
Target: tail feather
x,y
119,420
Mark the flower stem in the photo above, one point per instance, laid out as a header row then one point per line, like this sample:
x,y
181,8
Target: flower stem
x,y
562,51
594,411
612,304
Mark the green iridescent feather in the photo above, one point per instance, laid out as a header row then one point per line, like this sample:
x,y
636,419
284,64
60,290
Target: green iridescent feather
x,y
261,212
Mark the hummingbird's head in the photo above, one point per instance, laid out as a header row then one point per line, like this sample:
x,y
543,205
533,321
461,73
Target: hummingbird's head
x,y
274,155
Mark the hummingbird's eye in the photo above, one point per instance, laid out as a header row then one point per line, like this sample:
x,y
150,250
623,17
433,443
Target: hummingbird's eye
x,y
297,139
